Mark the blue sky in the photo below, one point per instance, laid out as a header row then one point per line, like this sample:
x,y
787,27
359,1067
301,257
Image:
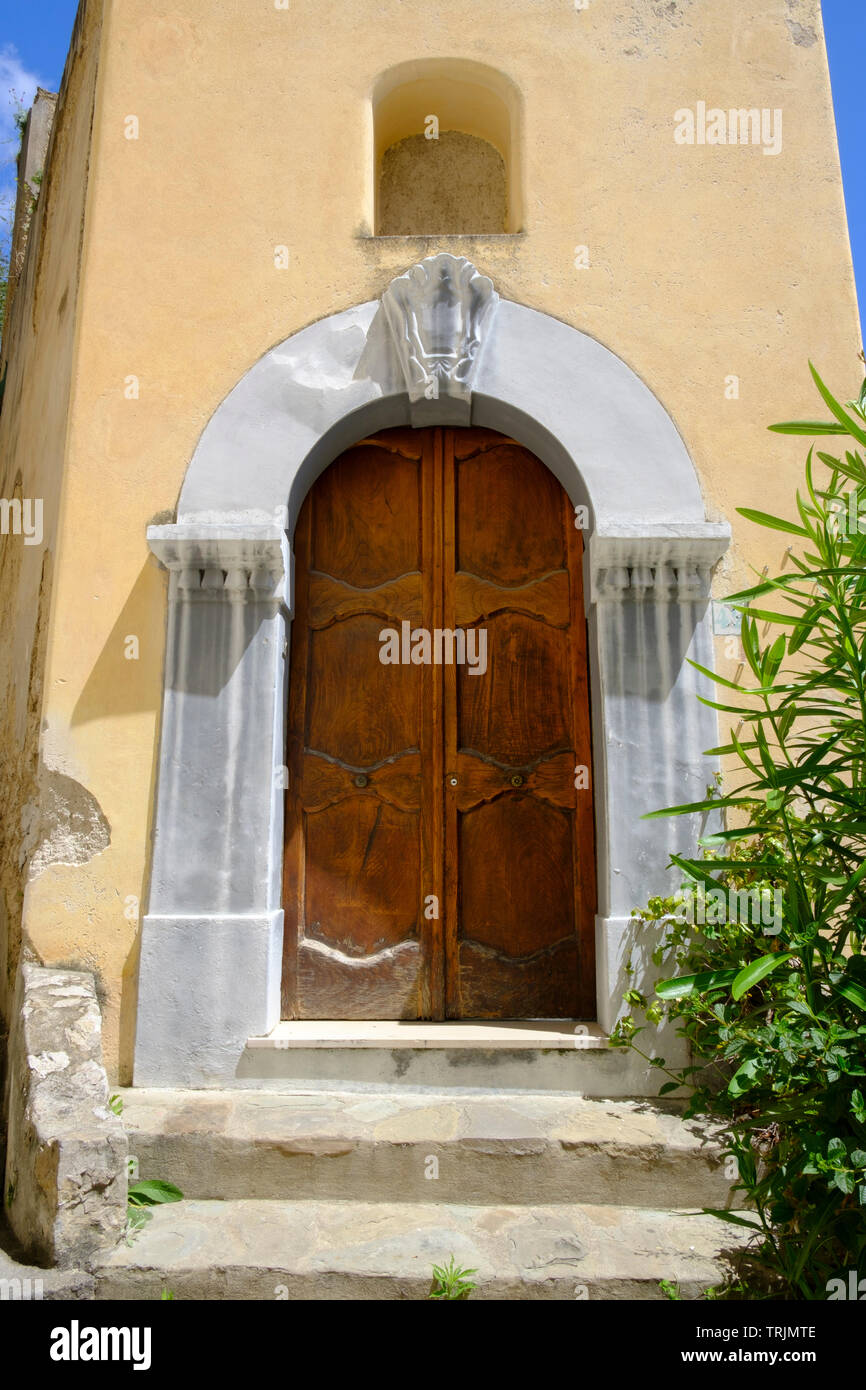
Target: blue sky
x,y
845,28
34,37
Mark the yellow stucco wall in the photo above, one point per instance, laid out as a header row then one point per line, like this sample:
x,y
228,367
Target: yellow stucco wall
x,y
39,341
255,131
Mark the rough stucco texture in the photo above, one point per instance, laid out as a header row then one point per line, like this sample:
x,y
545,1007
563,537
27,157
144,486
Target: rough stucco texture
x,y
455,183
38,352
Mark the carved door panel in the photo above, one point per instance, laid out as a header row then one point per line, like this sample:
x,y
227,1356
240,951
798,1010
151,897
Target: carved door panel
x,y
520,895
439,859
362,756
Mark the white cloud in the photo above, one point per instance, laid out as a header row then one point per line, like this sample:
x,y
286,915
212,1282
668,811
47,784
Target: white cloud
x,y
17,89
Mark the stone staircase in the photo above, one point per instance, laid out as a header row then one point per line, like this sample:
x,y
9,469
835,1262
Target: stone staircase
x,y
353,1195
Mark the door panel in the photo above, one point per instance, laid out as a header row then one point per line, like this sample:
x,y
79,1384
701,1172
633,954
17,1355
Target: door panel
x,y
439,859
514,917
519,710
360,756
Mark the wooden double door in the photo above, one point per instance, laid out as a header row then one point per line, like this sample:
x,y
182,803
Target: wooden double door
x,y
439,856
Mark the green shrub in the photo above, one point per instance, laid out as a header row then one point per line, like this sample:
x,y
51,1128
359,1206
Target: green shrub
x,y
776,1011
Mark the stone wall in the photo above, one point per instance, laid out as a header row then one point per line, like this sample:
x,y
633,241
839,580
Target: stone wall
x,y
66,1162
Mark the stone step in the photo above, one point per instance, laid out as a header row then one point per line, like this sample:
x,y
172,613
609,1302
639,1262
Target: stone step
x,y
537,1055
386,1250
424,1148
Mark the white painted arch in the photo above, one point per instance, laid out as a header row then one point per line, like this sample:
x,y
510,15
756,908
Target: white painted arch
x,y
560,392
210,964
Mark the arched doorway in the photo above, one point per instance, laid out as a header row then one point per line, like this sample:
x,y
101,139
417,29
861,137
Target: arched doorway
x,y
439,850
209,978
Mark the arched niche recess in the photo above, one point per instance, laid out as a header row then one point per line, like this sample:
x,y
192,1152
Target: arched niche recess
x,y
465,97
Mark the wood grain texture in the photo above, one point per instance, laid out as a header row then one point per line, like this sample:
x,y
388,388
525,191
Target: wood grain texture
x,y
358,710
363,866
546,598
520,709
550,779
397,782
335,986
540,987
355,846
331,600
419,785
519,929
508,510
520,899
368,517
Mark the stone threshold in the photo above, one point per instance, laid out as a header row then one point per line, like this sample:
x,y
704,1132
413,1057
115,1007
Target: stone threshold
x,y
510,1035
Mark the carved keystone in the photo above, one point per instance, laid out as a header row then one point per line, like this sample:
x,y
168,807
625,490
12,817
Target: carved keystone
x,y
439,313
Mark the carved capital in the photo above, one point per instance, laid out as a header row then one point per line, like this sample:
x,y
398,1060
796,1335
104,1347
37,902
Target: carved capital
x,y
243,563
438,314
673,563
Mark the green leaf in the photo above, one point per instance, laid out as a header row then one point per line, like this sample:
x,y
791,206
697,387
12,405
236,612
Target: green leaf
x,y
850,425
742,1079
690,808
853,992
845,892
150,1192
695,869
849,469
732,1217
808,427
684,985
775,523
757,971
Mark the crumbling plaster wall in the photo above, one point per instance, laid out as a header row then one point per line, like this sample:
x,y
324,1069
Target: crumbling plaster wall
x,y
38,354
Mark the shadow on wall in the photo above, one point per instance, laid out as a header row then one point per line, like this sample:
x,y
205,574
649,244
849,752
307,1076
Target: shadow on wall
x,y
127,679
127,676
